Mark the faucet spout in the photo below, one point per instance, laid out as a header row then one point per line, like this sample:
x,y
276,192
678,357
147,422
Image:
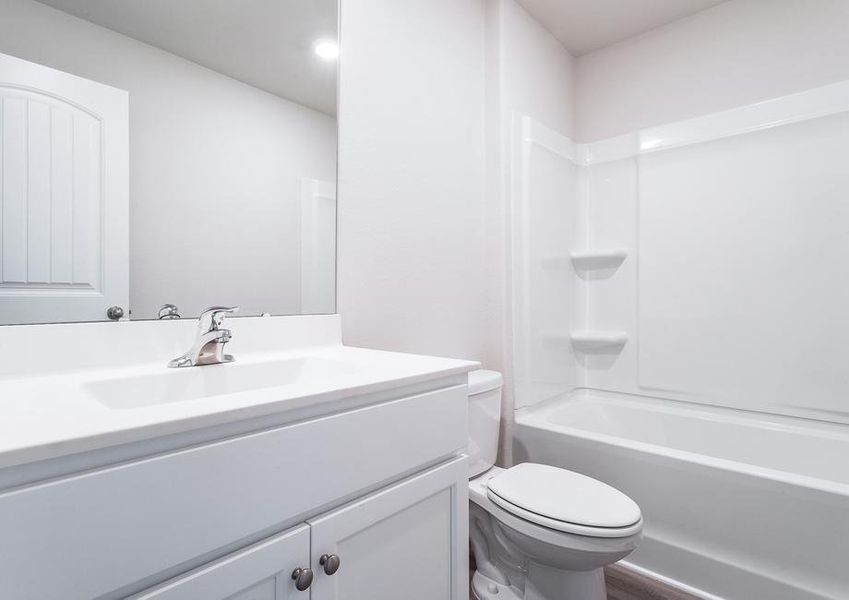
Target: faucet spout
x,y
208,348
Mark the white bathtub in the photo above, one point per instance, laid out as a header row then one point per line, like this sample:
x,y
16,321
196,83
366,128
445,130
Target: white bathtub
x,y
737,505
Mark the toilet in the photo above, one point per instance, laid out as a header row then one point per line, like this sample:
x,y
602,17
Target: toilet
x,y
538,532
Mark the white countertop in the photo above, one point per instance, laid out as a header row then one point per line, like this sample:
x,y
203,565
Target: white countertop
x,y
60,413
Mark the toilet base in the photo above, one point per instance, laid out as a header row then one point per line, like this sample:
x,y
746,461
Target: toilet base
x,y
548,583
484,588
544,583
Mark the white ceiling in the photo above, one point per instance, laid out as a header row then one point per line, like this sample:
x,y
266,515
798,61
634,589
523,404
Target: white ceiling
x,y
586,25
265,43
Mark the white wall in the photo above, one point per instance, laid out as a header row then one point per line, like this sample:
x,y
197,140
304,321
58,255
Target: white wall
x,y
215,166
411,176
537,72
736,53
421,223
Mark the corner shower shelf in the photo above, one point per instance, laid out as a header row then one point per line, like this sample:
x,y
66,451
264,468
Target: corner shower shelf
x,y
587,260
598,341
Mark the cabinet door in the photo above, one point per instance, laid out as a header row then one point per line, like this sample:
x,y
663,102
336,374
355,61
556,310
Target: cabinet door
x,y
408,541
260,572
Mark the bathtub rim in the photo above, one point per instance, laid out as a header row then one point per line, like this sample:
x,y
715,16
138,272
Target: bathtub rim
x,y
536,416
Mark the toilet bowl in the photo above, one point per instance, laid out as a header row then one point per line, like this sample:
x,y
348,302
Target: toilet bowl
x,y
538,532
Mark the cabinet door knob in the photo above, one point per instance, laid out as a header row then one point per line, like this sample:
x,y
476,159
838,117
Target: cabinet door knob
x,y
330,562
303,579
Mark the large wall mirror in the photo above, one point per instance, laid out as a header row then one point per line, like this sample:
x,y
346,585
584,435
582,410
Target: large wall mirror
x,y
159,156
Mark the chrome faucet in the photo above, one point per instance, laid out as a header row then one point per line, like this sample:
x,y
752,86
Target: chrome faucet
x,y
168,312
208,348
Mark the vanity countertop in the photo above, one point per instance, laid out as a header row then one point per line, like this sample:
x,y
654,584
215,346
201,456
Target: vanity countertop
x,y
62,413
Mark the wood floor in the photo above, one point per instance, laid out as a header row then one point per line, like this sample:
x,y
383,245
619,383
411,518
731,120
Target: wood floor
x,y
623,584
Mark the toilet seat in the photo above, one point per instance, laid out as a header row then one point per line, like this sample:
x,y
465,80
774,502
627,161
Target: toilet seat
x,y
564,501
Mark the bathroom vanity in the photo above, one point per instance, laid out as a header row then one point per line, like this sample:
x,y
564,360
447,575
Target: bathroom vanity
x,y
303,464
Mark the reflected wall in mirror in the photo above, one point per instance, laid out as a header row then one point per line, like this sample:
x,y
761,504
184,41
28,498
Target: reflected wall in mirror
x,y
166,153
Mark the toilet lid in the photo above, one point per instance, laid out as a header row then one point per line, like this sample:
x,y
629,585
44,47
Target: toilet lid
x,y
559,496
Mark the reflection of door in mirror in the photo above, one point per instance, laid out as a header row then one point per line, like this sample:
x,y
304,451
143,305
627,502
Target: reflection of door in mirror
x,y
318,246
64,194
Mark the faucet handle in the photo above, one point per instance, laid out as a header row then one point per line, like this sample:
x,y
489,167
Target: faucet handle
x,y
212,318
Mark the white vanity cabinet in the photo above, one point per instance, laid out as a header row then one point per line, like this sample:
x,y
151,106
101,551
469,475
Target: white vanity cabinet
x,y
379,482
398,543
406,542
260,572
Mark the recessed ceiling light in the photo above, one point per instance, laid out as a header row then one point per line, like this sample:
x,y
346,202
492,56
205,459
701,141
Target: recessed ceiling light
x,y
327,49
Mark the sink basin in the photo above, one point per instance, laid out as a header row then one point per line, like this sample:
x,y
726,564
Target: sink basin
x,y
194,383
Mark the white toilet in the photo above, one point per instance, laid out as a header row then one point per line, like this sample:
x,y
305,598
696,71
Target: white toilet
x,y
538,532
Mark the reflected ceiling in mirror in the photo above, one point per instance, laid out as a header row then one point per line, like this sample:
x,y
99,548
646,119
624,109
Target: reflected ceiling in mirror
x,y
161,157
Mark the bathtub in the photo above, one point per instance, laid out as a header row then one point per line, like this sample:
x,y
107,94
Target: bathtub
x,y
737,505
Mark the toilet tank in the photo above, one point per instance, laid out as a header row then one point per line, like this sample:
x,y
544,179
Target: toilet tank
x,y
484,419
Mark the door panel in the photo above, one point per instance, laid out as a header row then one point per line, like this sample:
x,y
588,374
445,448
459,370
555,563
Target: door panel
x,y
318,247
408,541
260,572
64,195
264,590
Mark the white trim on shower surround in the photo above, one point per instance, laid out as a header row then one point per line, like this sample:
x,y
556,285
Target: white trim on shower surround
x,y
810,104
536,133
538,324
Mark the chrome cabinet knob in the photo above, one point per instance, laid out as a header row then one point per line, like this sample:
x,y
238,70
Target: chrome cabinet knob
x,y
302,578
330,562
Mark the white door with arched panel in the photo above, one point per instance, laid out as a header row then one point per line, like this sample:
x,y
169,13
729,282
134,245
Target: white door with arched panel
x,y
64,195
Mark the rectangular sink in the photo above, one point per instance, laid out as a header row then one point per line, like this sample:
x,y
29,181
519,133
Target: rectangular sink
x,y
194,383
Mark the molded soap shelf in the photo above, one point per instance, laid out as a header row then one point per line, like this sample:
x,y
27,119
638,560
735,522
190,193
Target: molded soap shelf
x,y
587,260
598,341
